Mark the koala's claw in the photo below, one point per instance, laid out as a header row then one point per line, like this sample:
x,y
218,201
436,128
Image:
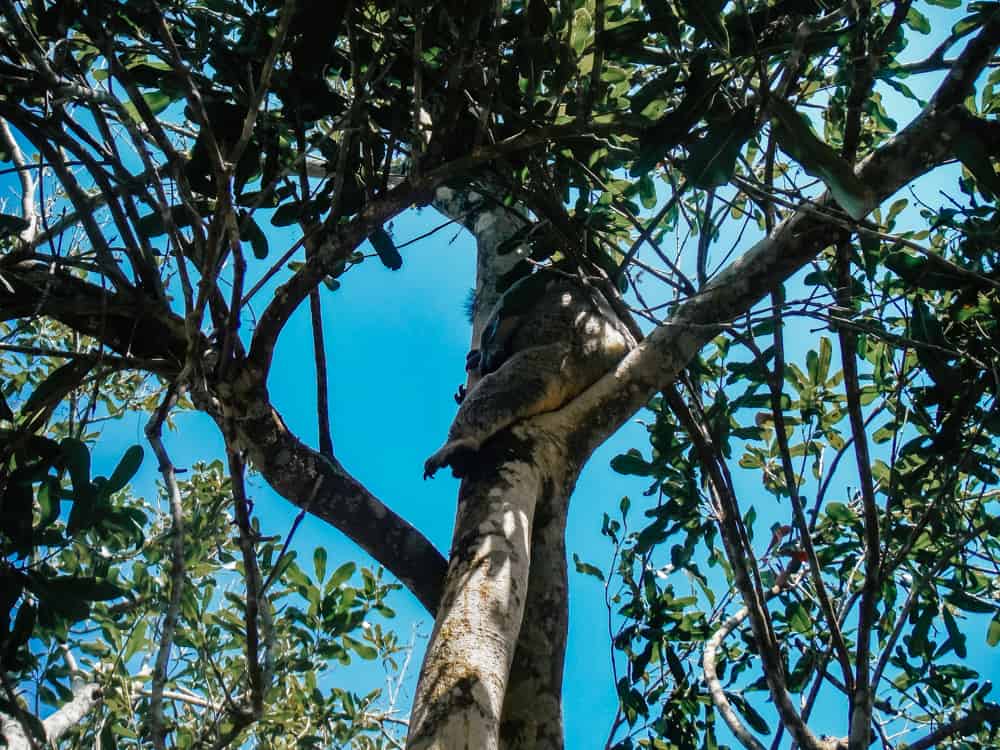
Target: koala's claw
x,y
452,453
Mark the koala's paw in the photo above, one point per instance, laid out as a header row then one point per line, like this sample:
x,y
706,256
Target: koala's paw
x,y
454,453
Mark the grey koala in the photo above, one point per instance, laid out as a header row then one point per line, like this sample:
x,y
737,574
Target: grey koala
x,y
548,338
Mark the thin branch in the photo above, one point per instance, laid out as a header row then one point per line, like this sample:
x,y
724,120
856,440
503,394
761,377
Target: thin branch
x,y
264,82
709,657
247,535
291,534
862,694
646,234
154,435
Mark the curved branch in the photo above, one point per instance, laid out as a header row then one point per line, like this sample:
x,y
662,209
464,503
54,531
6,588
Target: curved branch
x,y
136,327
708,660
293,470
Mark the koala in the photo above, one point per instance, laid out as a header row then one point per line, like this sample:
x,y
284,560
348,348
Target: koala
x,y
548,338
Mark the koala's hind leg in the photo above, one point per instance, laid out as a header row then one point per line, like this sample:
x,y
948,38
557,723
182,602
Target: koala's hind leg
x,y
536,380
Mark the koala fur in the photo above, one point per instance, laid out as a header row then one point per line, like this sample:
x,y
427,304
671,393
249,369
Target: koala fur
x,y
533,362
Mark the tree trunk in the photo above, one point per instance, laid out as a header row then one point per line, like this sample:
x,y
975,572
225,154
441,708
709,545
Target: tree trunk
x,y
532,710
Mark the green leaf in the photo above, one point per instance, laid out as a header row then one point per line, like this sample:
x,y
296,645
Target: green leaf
x,y
924,272
799,618
797,139
918,21
341,575
48,502
286,214
968,603
361,649
253,234
712,160
125,470
587,569
59,383
750,715
319,563
78,462
974,154
993,632
11,225
157,101
632,463
647,192
840,513
386,249
706,17
136,640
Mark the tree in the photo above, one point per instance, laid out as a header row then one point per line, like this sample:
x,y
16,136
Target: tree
x,y
580,133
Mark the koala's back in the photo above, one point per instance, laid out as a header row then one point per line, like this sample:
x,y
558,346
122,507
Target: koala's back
x,y
572,313
568,339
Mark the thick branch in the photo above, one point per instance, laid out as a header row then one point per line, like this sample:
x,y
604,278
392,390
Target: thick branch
x,y
86,695
656,362
127,322
971,722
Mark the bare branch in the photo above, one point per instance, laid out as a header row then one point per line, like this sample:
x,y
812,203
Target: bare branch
x,y
709,657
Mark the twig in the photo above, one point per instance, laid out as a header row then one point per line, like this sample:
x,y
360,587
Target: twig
x,y
291,533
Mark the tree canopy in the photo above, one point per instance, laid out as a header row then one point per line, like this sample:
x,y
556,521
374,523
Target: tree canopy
x,y
794,212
